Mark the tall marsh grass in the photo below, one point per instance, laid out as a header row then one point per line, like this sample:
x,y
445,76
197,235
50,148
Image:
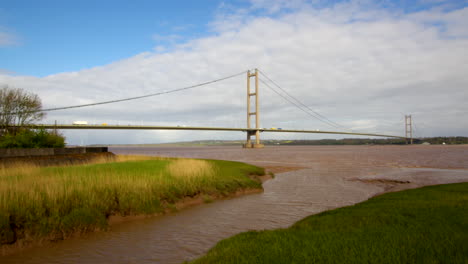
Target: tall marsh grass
x,y
190,168
55,202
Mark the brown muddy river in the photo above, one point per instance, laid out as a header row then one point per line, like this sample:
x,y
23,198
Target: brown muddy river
x,y
329,177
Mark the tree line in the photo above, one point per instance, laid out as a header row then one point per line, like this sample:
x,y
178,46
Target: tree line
x,y
371,141
18,110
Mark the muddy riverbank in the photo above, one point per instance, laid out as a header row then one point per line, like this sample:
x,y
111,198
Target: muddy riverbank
x,y
115,220
329,177
41,204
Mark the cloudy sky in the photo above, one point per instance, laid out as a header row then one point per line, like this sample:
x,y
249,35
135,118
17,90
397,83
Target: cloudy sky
x,y
362,64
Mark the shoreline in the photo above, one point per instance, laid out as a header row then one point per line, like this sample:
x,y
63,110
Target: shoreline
x,y
386,228
322,185
113,220
188,202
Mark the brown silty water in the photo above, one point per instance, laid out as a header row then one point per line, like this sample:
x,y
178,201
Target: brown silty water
x,y
326,177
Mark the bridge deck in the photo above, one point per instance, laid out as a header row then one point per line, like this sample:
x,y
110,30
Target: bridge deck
x,y
131,127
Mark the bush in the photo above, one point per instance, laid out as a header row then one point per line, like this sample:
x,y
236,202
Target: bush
x,y
32,139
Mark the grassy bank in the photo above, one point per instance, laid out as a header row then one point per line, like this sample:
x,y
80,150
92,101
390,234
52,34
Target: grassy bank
x,y
427,225
55,202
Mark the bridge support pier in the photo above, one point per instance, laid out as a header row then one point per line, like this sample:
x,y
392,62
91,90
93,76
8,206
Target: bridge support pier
x,y
249,144
409,129
250,133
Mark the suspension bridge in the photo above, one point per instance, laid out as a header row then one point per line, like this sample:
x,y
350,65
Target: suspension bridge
x,y
252,114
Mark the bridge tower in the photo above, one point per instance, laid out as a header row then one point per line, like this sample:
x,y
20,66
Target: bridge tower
x,y
250,133
408,129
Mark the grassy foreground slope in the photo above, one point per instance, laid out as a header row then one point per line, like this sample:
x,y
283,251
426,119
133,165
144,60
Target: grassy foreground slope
x,y
55,202
426,225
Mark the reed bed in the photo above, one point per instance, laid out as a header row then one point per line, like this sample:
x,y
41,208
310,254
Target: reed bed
x,y
56,202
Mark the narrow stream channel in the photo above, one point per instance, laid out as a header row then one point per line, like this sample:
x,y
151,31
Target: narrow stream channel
x,y
184,235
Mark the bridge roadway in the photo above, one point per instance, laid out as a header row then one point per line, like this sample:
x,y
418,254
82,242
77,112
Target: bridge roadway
x,y
131,127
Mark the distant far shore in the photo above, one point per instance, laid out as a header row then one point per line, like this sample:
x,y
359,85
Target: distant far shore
x,y
305,142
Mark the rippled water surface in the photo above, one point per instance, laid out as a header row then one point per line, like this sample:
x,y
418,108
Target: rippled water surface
x,y
329,177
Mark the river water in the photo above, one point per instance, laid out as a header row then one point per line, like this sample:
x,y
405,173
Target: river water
x,y
325,178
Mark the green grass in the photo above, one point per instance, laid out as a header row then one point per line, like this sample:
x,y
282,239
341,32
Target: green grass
x,y
426,225
55,202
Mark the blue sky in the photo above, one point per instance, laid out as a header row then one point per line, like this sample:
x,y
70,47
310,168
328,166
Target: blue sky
x,y
60,36
49,37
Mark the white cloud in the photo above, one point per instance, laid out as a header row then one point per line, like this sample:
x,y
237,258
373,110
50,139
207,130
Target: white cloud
x,y
272,7
167,38
364,68
6,72
7,39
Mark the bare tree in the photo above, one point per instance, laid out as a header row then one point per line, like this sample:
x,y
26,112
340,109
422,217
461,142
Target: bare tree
x,y
18,108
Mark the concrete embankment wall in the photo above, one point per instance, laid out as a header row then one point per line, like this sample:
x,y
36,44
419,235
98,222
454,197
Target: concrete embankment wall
x,y
10,153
